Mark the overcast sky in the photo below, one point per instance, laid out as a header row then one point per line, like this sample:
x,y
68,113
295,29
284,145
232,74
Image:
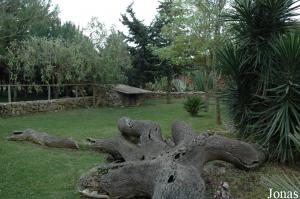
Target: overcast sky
x,y
108,11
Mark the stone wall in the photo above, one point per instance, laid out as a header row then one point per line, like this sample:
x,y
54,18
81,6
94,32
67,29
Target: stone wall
x,y
162,95
104,98
23,108
108,98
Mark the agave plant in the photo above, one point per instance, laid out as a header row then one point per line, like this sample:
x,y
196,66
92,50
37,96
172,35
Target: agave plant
x,y
199,81
179,85
204,81
262,69
158,84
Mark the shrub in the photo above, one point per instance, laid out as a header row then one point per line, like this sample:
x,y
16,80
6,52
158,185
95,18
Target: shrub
x,y
193,105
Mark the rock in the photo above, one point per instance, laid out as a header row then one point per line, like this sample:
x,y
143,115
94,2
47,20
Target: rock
x,y
223,191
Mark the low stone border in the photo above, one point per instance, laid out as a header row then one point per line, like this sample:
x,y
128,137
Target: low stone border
x,y
29,107
108,98
161,95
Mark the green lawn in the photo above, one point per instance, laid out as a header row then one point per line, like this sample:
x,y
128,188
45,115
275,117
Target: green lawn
x,y
30,171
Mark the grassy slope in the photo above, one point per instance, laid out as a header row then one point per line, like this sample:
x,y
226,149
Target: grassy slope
x,y
30,171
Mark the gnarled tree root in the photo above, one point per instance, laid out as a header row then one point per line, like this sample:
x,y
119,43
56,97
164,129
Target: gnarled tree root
x,y
147,166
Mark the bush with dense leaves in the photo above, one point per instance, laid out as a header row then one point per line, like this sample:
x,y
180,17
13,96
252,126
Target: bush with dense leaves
x,y
193,105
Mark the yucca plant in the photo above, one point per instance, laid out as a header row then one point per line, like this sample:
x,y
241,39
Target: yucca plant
x,y
281,183
296,139
279,114
262,69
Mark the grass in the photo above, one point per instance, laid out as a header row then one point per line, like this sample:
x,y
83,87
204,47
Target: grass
x,y
33,172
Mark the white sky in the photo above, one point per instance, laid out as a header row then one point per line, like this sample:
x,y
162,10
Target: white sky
x,y
108,11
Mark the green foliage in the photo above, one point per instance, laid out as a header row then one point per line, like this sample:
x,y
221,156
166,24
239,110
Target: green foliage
x,y
147,65
204,81
281,183
97,32
158,84
296,139
162,85
192,32
35,47
21,19
144,62
262,73
280,107
51,60
193,105
57,61
180,86
115,60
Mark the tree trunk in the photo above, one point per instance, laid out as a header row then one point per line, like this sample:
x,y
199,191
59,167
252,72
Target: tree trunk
x,y
221,4
56,90
169,87
15,93
25,92
206,101
147,166
1,88
218,112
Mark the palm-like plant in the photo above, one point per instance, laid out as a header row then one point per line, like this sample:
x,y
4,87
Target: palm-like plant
x,y
262,67
281,183
296,139
279,116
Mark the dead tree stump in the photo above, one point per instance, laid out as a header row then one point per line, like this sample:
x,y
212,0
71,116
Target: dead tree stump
x,y
150,167
147,166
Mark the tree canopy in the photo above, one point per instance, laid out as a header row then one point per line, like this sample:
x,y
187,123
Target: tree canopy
x,y
35,47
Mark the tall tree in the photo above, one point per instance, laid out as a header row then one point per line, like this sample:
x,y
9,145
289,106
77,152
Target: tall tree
x,y
144,62
115,59
145,40
112,52
195,31
97,32
164,19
